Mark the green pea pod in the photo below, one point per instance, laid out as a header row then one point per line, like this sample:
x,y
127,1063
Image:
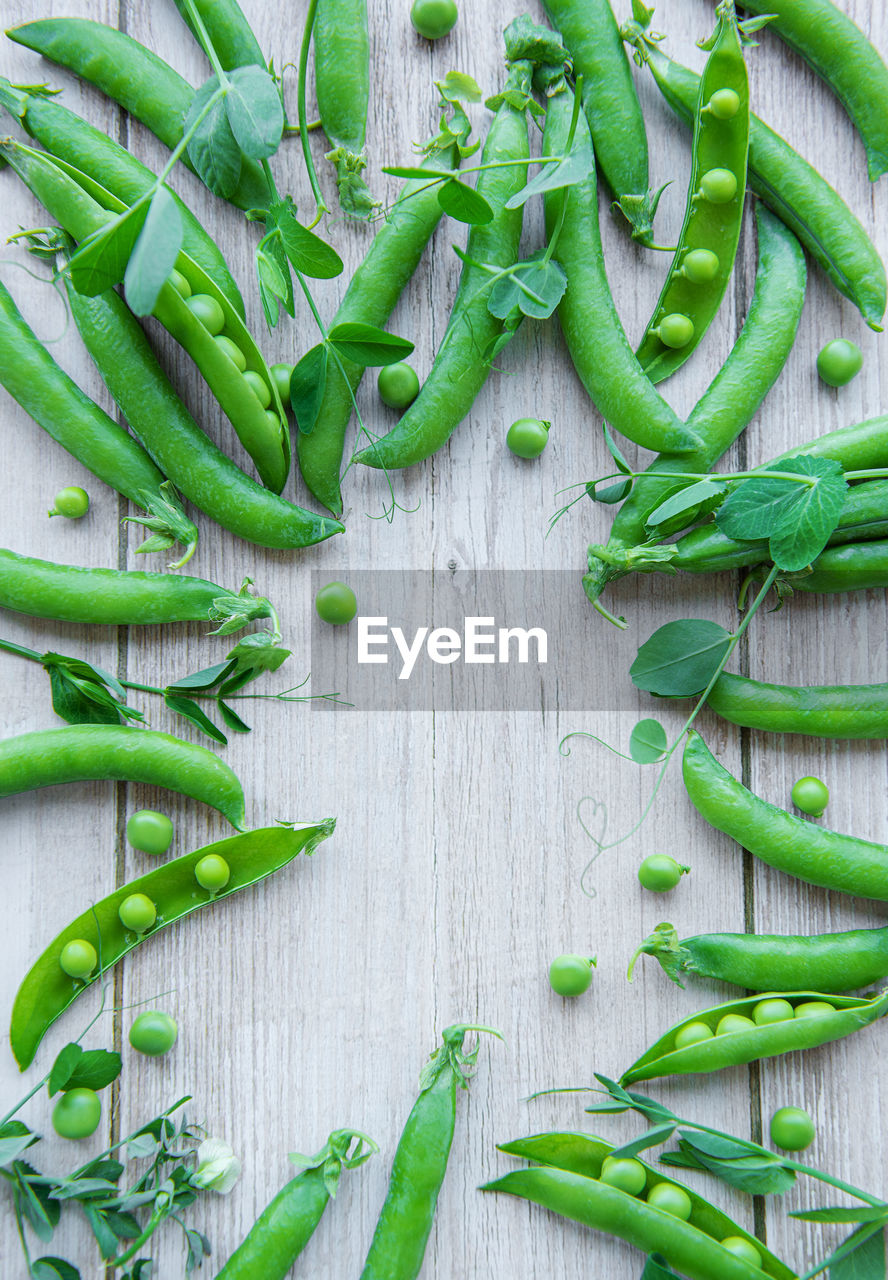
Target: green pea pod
x,y
47,991
342,85
230,34
734,1048
841,54
121,597
611,105
406,1218
595,338
792,845
70,138
119,753
825,962
789,186
35,381
286,1225
202,472
818,711
61,189
583,1155
714,215
370,299
858,567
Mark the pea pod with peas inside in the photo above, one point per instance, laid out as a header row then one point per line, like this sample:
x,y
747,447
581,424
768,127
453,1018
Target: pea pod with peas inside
x,y
79,425
707,244
702,1242
792,845
762,1026
47,990
818,711
211,332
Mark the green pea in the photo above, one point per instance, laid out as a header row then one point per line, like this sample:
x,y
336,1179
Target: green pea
x,y
814,1009
433,18
675,330
792,1129
692,1033
232,350
398,385
205,308
274,420
670,1199
700,266
839,362
72,503
153,1033
659,872
78,958
718,186
77,1113
149,831
180,284
767,1012
528,437
811,796
137,912
212,872
626,1175
724,104
570,975
280,376
744,1249
733,1022
336,603
259,387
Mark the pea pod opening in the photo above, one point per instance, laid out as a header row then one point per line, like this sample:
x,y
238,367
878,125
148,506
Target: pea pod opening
x,y
119,753
47,991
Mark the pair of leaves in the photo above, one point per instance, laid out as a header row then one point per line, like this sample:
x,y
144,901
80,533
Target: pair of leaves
x,y
361,344
681,658
456,198
570,169
77,1068
83,693
532,288
757,1172
689,501
797,519
287,242
243,117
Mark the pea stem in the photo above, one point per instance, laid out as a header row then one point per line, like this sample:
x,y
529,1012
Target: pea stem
x,y
302,114
206,43
164,1203
565,193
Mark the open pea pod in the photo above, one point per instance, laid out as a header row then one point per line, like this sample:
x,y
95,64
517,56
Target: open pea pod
x,y
582,1155
82,206
47,990
732,1048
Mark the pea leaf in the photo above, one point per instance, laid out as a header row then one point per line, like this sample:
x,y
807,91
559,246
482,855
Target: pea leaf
x,y
204,679
576,166
13,1144
721,1146
365,344
94,1069
231,718
680,658
535,287
657,1268
611,493
53,1269
273,273
100,260
154,254
464,203
308,253
647,742
754,1174
844,1213
105,1237
212,148
652,1138
860,1257
63,1068
188,708
71,702
308,381
458,87
412,173
687,499
255,112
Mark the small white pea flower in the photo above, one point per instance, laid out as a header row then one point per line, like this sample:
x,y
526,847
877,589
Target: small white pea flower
x,y
218,1168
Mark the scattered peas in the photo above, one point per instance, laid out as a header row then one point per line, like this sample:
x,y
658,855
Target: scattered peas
x,y
659,873
137,912
205,308
814,1009
675,330
72,503
180,284
433,18
259,387
670,1199
528,437
700,266
398,385
718,186
77,1113
153,1033
811,796
733,1022
792,1129
78,958
839,362
767,1012
212,872
741,1248
233,351
626,1175
149,831
336,603
280,376
571,975
724,104
692,1033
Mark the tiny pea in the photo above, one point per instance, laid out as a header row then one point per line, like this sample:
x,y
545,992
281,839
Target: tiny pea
x,y
839,362
71,502
626,1175
77,1114
813,1009
571,975
669,1198
205,308
694,1033
398,385
336,603
811,796
149,831
792,1129
78,958
660,872
528,437
137,912
280,376
718,186
700,266
733,1022
433,18
234,353
724,104
767,1012
741,1248
153,1033
675,330
212,872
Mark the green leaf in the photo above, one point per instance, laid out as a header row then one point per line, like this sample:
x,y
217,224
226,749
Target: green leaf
x,y
204,679
94,1069
860,1257
13,1144
212,148
754,1174
154,254
686,499
141,1147
188,708
680,658
105,1237
231,718
647,742
535,287
723,1147
573,168
844,1213
53,1269
63,1068
458,87
611,494
255,112
308,253
308,382
365,344
657,1268
464,203
652,1138
101,259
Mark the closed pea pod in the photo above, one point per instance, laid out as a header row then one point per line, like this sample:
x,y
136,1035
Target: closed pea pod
x,y
857,567
707,245
46,991
342,85
818,711
87,752
738,1039
285,1226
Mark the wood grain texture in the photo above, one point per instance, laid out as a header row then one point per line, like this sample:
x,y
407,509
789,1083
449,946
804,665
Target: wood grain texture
x,y
312,1001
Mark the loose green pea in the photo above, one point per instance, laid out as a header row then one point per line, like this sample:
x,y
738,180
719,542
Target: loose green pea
x,y
72,503
814,1009
792,1129
259,387
433,18
180,284
671,1200
78,958
205,308
398,385
212,872
280,376
153,1033
718,186
659,872
232,350
839,362
693,1033
741,1248
675,330
570,975
625,1175
767,1012
724,104
137,912
811,796
336,603
77,1113
528,437
732,1022
149,831
700,266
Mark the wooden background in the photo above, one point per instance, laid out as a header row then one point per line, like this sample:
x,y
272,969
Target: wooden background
x,y
452,880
